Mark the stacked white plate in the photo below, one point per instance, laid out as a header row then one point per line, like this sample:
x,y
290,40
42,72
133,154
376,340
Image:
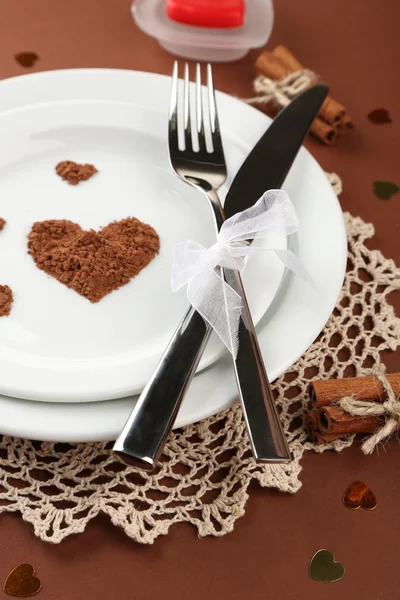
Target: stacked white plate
x,y
69,368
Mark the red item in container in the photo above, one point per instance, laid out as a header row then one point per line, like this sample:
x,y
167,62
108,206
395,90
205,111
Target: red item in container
x,y
207,13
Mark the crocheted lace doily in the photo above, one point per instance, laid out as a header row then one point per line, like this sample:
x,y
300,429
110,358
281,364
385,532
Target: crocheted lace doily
x,y
206,468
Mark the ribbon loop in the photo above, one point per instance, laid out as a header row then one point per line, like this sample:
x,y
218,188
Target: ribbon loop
x,y
198,267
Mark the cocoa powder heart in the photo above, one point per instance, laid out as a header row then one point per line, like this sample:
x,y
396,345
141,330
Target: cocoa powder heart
x,y
93,263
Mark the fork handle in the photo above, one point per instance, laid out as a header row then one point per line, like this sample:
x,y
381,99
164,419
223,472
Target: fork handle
x,y
145,433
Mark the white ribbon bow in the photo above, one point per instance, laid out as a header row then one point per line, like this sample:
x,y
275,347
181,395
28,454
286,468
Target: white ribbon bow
x,y
195,266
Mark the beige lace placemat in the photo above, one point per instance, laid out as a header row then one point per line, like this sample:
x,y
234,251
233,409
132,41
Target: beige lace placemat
x,y
206,468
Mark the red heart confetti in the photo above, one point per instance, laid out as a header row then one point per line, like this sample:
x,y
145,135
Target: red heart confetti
x,y
26,59
380,116
359,495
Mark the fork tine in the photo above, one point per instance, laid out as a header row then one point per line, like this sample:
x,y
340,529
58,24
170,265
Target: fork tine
x,y
173,138
186,110
199,111
213,113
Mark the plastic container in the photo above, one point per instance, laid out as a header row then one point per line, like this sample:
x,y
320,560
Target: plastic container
x,y
206,44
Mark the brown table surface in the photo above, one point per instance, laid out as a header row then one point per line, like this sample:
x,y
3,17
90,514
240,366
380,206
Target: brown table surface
x,y
355,46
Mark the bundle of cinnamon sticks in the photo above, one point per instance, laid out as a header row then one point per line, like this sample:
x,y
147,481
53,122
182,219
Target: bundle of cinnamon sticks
x,y
333,119
326,421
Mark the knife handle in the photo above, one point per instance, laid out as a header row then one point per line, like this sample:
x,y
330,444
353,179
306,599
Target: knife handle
x,y
146,431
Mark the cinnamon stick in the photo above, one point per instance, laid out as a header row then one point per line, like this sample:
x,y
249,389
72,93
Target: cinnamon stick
x,y
272,67
311,424
334,420
324,132
346,123
287,58
311,421
320,438
331,110
329,391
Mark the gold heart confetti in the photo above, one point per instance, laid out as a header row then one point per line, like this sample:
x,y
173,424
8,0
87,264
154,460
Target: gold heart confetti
x,y
22,582
323,567
357,495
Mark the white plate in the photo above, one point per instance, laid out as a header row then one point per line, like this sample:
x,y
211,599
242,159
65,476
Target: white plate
x,y
56,345
292,322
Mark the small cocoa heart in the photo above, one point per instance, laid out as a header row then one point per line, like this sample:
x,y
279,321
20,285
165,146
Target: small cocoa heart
x,y
22,582
26,59
357,495
385,189
93,263
323,567
74,172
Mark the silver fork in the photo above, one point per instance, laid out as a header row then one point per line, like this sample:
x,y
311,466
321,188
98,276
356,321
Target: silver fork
x,y
150,422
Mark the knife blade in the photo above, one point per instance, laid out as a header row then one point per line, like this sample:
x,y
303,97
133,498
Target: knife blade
x,y
268,163
144,434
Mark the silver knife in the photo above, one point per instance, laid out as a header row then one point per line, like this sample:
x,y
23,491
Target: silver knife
x,y
144,434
